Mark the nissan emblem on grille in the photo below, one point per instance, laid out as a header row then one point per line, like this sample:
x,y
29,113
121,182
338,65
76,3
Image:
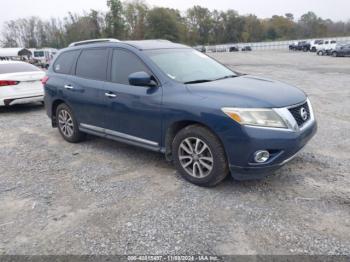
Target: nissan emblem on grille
x,y
303,113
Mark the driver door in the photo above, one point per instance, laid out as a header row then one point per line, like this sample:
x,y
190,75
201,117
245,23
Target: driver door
x,y
133,112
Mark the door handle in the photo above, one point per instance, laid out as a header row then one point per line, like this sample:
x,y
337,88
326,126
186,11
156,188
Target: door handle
x,y
68,87
111,95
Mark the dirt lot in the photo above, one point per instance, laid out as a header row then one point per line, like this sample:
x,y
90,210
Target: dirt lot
x,y
103,197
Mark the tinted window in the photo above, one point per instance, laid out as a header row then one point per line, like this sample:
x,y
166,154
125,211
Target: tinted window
x,y
17,67
125,63
92,64
65,61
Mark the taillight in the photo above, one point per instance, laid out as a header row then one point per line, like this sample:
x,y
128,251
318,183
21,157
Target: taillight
x,y
8,83
44,80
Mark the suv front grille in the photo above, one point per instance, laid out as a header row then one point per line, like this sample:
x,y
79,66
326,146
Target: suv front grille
x,y
301,113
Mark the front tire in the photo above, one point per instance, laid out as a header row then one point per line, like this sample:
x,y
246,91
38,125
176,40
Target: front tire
x,y
68,125
199,156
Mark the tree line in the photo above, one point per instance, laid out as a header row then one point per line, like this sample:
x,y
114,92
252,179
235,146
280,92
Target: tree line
x,y
134,19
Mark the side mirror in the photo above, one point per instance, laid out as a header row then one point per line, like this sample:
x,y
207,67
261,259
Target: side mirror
x,y
141,79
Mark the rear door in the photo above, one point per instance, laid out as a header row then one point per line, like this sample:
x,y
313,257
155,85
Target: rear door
x,y
84,89
133,111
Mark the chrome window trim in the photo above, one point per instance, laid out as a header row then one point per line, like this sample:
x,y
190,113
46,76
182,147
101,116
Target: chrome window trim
x,y
119,134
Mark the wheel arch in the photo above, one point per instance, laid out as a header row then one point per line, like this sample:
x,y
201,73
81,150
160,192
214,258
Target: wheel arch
x,y
176,127
54,106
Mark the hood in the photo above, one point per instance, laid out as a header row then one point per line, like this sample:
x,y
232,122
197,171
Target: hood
x,y
249,91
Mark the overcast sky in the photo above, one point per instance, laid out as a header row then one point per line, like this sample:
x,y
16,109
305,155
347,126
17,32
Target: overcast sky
x,y
334,9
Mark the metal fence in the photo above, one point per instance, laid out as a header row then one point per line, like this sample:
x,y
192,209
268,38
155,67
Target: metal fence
x,y
270,45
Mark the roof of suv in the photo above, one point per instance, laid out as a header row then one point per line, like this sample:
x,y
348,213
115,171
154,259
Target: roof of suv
x,y
140,44
154,44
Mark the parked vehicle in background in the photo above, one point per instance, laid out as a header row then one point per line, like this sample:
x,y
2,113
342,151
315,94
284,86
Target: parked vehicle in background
x,y
247,48
43,57
20,83
303,46
326,45
314,44
166,97
318,46
341,50
293,46
322,45
234,48
331,46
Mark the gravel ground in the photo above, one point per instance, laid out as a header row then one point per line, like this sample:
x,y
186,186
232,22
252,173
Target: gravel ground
x,y
103,197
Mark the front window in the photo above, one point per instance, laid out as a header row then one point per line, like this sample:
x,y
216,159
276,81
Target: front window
x,y
188,65
125,63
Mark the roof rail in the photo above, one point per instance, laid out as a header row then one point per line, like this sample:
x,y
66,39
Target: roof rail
x,y
159,40
94,41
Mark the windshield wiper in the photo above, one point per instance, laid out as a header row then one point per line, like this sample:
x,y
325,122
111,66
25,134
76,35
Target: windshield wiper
x,y
209,80
198,81
224,77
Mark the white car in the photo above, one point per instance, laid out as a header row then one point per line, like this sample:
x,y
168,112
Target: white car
x,y
325,46
20,83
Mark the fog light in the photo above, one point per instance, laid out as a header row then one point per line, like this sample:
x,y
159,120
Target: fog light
x,y
261,156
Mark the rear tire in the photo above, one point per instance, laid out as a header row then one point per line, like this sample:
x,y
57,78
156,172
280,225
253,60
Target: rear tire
x,y
334,54
199,156
68,125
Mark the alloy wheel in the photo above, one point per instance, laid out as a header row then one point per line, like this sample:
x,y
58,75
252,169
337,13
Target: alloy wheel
x,y
65,123
195,157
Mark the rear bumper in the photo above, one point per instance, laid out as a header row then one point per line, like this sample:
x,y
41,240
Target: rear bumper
x,y
284,145
21,100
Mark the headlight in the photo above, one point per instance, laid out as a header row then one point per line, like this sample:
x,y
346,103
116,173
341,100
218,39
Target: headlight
x,y
255,117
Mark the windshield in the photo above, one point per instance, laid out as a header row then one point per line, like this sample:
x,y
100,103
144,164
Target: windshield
x,y
188,65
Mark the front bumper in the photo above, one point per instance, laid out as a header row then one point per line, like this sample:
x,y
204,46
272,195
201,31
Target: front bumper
x,y
284,146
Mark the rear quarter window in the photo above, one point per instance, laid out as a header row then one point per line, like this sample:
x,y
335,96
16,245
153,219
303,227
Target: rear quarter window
x,y
65,62
17,68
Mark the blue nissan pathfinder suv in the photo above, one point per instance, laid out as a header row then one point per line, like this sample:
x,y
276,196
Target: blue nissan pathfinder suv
x,y
167,97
